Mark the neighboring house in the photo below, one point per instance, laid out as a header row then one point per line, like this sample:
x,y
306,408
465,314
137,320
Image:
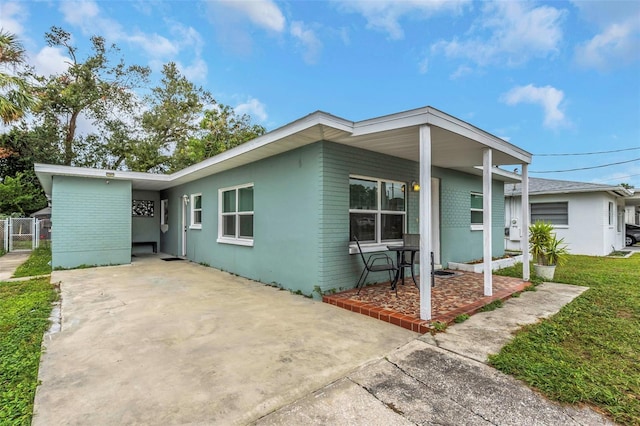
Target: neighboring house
x,y
43,216
589,216
44,213
283,208
632,209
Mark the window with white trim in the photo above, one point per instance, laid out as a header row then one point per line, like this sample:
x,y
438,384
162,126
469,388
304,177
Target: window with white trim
x,y
555,213
235,225
610,213
477,210
377,209
196,211
620,218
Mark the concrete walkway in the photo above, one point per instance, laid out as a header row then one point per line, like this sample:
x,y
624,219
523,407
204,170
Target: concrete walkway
x,y
442,379
174,343
10,261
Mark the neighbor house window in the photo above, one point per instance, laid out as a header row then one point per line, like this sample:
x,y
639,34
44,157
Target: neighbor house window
x,y
620,218
555,213
377,209
164,212
610,213
477,210
196,211
236,215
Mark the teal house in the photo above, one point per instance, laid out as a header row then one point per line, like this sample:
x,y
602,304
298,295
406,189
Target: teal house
x,y
283,208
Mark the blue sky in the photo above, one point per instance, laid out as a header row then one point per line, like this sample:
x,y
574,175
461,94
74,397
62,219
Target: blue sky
x,y
550,77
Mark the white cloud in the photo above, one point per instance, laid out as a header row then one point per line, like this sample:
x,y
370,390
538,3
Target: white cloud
x,y
196,71
154,44
187,37
462,71
264,13
88,16
548,97
307,37
254,108
604,13
12,15
618,41
77,13
616,44
385,15
50,60
508,32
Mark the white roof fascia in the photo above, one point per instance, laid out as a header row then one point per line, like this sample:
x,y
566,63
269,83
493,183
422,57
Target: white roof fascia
x,y
507,176
307,122
618,192
452,124
414,117
98,173
316,118
45,172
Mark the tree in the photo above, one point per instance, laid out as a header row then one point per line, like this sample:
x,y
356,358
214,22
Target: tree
x,y
223,129
95,88
20,191
21,147
176,107
626,185
21,194
15,92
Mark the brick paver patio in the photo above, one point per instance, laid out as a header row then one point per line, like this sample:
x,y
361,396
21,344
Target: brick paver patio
x,y
451,296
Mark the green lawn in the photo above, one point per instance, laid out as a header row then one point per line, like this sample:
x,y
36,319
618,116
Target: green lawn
x,y
37,264
24,311
588,353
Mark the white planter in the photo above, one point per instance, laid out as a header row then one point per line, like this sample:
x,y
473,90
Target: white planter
x,y
479,267
545,272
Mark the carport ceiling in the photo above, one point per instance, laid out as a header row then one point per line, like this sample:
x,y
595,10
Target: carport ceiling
x,y
448,149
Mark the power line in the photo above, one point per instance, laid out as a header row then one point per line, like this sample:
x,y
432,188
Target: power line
x,y
585,168
586,153
621,177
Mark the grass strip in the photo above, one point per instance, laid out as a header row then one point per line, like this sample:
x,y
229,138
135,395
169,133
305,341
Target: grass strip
x,y
588,353
25,307
38,263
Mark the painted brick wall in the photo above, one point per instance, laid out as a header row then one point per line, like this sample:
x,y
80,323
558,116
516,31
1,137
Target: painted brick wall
x,y
459,242
301,204
337,268
286,214
91,222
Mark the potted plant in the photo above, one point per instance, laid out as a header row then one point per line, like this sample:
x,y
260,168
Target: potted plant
x,y
546,249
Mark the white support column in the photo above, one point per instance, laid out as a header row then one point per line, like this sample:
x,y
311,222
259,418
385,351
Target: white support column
x,y
425,223
525,220
487,168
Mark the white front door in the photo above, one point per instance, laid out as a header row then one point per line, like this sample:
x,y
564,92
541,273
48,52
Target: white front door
x,y
185,212
435,219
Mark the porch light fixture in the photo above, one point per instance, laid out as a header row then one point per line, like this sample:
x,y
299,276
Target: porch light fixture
x,y
110,174
415,186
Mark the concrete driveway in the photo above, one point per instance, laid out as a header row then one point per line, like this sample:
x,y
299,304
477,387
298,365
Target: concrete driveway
x,y
159,342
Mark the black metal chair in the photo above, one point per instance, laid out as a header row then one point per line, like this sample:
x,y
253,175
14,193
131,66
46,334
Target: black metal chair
x,y
371,266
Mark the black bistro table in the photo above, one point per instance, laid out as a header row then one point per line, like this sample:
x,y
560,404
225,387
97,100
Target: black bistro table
x,y
402,263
